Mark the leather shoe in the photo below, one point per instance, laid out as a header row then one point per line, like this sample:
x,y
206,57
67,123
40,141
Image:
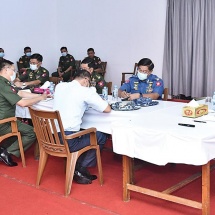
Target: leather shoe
x,y
86,173
6,158
81,179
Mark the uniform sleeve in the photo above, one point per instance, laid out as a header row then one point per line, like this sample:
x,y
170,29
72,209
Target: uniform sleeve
x,y
72,62
24,76
126,86
44,76
59,63
10,94
158,86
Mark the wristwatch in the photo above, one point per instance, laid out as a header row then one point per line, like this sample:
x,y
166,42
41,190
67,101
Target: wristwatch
x,y
141,95
23,84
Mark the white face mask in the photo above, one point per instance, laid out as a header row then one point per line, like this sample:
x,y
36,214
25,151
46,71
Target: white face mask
x,y
142,76
33,67
1,54
64,54
12,77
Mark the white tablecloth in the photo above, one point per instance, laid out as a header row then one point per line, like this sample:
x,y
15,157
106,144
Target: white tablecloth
x,y
151,133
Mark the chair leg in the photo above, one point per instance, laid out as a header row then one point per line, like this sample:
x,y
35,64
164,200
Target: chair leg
x,y
21,150
70,168
42,164
99,165
36,151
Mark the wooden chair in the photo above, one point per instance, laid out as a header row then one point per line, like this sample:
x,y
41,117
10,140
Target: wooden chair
x,y
49,144
14,132
109,86
55,80
104,65
165,94
77,64
18,65
128,73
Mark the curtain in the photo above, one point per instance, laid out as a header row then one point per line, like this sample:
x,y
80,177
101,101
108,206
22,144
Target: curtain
x,y
189,47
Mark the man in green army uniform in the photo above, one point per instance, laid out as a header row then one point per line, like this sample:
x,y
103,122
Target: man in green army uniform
x,y
9,98
24,61
35,76
97,80
97,61
66,66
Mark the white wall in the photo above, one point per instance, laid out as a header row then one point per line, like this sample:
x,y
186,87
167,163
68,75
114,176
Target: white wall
x,y
121,31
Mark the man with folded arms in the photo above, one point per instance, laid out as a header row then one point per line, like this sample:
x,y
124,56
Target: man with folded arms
x,y
9,98
36,75
24,61
72,108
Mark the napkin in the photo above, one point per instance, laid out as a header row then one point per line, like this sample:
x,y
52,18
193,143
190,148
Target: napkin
x,y
193,103
45,85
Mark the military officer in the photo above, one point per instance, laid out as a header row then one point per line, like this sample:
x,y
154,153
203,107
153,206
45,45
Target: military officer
x,y
9,98
24,61
66,66
36,75
97,61
143,84
97,80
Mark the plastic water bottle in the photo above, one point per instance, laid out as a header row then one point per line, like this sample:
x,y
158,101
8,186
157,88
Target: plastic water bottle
x,y
115,93
51,88
213,102
105,93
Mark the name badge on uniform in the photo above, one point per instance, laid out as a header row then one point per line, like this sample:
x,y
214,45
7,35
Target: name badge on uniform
x,y
149,88
136,85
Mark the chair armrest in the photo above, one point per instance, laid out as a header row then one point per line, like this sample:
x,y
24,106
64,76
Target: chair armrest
x,y
80,133
11,119
127,73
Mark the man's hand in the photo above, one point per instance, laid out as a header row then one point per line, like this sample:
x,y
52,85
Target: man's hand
x,y
44,96
18,83
124,94
134,96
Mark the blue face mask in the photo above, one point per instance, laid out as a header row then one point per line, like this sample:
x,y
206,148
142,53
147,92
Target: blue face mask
x,y
1,54
63,54
28,54
142,76
33,67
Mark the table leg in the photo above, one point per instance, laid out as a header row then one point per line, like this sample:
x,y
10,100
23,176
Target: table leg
x,y
206,189
126,164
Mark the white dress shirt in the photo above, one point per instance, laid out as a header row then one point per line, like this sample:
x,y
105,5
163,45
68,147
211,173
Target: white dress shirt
x,y
71,100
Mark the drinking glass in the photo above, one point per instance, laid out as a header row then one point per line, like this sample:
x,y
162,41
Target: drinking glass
x,y
208,100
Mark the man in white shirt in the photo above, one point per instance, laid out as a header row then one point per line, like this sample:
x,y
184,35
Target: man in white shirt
x,y
71,100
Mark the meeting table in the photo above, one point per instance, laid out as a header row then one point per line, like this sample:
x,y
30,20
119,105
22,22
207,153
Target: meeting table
x,y
153,134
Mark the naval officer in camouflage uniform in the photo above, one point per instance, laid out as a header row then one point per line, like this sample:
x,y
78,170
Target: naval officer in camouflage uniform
x,y
24,61
36,75
9,98
97,61
97,80
66,66
143,84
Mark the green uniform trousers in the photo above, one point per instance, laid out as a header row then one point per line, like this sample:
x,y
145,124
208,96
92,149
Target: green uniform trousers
x,y
11,144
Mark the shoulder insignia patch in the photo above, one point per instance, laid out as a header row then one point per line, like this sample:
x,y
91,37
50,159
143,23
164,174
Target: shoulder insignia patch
x,y
158,83
101,84
20,61
127,81
44,75
14,91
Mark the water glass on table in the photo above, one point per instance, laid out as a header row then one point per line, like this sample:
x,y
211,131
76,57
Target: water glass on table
x,y
208,100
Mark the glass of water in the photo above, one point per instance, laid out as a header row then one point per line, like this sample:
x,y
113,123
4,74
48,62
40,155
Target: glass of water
x,y
208,100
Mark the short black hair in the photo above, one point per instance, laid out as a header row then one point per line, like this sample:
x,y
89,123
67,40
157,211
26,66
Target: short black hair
x,y
146,62
90,49
2,49
89,61
26,48
64,47
5,63
82,73
37,56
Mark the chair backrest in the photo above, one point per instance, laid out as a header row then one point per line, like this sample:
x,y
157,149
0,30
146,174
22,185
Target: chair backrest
x,y
46,132
18,65
104,65
55,80
165,94
109,86
135,68
77,64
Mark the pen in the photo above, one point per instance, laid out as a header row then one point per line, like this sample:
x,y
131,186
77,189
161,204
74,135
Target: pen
x,y
187,125
199,121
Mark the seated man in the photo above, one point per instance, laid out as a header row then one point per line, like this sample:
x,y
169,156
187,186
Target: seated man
x,y
78,97
66,66
36,75
1,55
24,61
97,80
97,61
9,98
143,84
